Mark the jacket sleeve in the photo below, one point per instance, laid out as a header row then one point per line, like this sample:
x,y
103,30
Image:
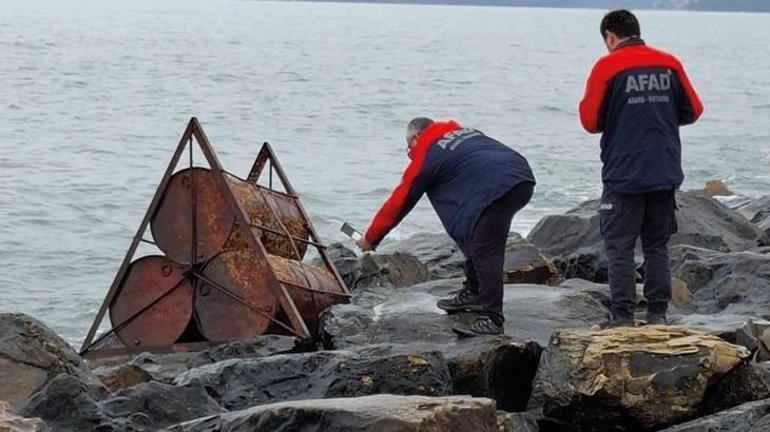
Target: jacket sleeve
x,y
593,99
689,107
402,200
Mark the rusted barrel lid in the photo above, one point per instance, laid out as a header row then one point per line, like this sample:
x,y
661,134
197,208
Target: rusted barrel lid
x,y
148,279
223,317
172,223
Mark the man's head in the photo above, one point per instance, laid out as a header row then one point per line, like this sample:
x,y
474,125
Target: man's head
x,y
619,26
413,130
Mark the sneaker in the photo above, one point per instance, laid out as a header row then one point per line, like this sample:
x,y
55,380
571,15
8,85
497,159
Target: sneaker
x,y
463,301
484,326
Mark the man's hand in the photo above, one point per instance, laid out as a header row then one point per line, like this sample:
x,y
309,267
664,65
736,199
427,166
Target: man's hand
x,y
364,245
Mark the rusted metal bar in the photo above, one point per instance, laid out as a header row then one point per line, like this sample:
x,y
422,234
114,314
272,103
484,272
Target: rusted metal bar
x,y
138,236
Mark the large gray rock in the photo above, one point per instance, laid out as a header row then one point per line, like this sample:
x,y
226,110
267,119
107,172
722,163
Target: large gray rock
x,y
241,383
377,269
69,405
155,405
365,414
630,379
438,252
523,261
744,383
493,367
31,355
728,283
749,417
574,240
757,210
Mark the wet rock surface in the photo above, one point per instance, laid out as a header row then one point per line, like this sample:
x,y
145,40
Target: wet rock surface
x,y
241,383
631,378
369,414
31,355
410,314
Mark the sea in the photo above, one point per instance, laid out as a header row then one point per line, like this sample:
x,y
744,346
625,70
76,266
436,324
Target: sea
x,y
94,96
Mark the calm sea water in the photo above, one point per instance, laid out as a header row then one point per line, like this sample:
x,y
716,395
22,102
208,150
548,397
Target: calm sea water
x,y
94,96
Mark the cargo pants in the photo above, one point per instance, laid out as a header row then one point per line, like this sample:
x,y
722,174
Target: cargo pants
x,y
624,218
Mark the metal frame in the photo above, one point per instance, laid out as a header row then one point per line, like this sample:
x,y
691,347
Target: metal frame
x,y
296,324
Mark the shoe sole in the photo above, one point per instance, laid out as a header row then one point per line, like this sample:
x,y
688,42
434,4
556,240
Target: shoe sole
x,y
469,334
469,308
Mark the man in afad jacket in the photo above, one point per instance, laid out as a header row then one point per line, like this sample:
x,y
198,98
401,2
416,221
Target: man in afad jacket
x,y
638,97
476,185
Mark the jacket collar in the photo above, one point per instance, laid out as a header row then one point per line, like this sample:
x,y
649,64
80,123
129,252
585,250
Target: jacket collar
x,y
630,42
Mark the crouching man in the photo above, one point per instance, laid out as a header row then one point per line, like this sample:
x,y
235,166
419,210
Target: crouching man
x,y
476,185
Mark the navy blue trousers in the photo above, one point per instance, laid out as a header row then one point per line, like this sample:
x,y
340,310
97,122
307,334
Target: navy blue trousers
x,y
625,218
485,254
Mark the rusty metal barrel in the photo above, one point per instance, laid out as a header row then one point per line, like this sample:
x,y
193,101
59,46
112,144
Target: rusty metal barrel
x,y
272,214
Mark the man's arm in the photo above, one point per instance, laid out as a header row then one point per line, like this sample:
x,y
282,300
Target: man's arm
x,y
401,201
689,107
593,98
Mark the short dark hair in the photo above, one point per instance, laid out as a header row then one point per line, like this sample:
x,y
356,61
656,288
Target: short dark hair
x,y
621,22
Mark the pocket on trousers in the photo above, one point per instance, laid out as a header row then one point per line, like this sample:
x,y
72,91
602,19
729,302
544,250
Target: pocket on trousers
x,y
608,213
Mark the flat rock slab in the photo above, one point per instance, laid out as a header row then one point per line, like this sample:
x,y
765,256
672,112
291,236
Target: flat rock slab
x,y
407,315
631,378
380,413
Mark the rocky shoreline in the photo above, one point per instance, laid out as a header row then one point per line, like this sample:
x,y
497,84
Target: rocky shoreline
x,y
388,361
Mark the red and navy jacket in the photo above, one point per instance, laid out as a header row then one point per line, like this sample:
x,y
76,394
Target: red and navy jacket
x,y
462,171
638,97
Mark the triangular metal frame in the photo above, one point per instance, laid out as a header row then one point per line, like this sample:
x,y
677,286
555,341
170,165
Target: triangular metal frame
x,y
266,155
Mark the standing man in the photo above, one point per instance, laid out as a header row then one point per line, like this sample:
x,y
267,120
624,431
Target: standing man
x,y
476,185
638,97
